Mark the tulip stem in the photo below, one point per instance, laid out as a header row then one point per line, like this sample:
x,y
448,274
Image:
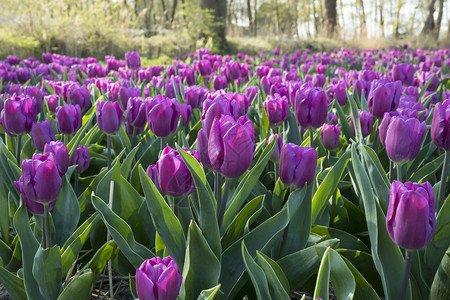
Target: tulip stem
x,y
444,176
18,148
133,138
108,144
46,239
275,171
174,203
108,235
223,203
399,172
311,138
162,143
405,276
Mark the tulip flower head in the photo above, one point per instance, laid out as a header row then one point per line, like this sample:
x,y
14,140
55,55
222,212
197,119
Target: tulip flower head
x,y
277,109
297,165
277,151
330,136
383,97
68,118
41,134
163,115
440,125
109,116
81,158
311,107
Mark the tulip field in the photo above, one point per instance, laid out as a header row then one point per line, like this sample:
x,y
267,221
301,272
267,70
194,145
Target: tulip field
x,y
306,175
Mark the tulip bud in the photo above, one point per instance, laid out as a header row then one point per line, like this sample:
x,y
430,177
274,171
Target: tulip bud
x,y
133,60
185,113
135,113
366,120
233,70
383,97
18,115
109,116
404,73
61,155
434,82
162,115
194,96
68,118
80,95
81,158
202,148
41,134
219,82
401,136
440,125
297,165
52,102
158,279
330,136
40,182
279,144
410,219
311,108
251,92
152,172
231,145
277,109
204,67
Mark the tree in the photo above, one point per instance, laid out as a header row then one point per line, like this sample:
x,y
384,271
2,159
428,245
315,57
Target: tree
x,y
218,8
429,21
331,19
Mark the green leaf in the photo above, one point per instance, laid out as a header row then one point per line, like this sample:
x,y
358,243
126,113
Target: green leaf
x,y
328,185
430,168
207,207
29,246
440,289
13,284
345,125
363,290
166,223
79,288
246,185
291,134
128,162
47,271
121,232
201,267
355,114
322,288
81,133
4,214
50,90
209,294
101,258
256,274
278,196
278,284
425,87
347,240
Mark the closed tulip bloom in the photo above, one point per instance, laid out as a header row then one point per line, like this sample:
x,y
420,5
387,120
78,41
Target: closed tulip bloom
x,y
80,95
231,145
202,148
18,115
359,86
35,92
213,109
401,136
185,113
133,60
61,155
109,116
40,181
158,279
339,90
404,73
126,93
152,172
318,80
366,120
279,144
410,219
383,97
277,109
81,158
440,125
330,136
297,165
174,177
233,70
311,108
194,95
204,67
52,102
251,92
135,114
41,134
163,115
427,76
68,118
13,60
219,82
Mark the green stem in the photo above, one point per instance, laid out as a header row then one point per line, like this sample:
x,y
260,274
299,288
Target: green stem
x,y
444,176
223,203
391,171
46,236
275,171
108,238
162,143
405,276
174,203
108,144
18,149
311,138
399,172
133,138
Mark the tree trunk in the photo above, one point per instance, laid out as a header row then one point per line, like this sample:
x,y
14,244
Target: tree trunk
x,y
439,19
165,13
277,20
330,22
397,19
256,18
316,22
363,19
382,19
174,9
250,18
219,11
429,21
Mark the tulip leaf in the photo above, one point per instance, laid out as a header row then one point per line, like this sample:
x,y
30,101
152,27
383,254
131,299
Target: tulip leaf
x,y
66,212
50,90
201,267
345,125
166,223
440,289
355,114
13,284
81,133
424,153
347,241
430,168
4,214
279,193
78,288
363,290
243,219
256,274
209,294
322,288
29,246
125,168
5,252
278,283
47,270
328,186
207,209
424,88
291,133
101,258
121,232
246,185
386,255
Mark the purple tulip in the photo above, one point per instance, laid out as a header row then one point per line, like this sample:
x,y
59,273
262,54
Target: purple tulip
x,y
52,102
158,279
152,172
297,165
81,158
233,70
204,67
35,92
194,95
383,97
109,116
219,82
434,82
40,181
61,155
277,151
330,136
410,219
135,114
339,90
359,86
68,118
128,92
231,145
202,148
185,113
366,120
162,115
440,125
174,177
80,95
311,108
41,134
318,80
133,60
401,136
277,109
18,115
251,92
213,109
13,60
404,73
